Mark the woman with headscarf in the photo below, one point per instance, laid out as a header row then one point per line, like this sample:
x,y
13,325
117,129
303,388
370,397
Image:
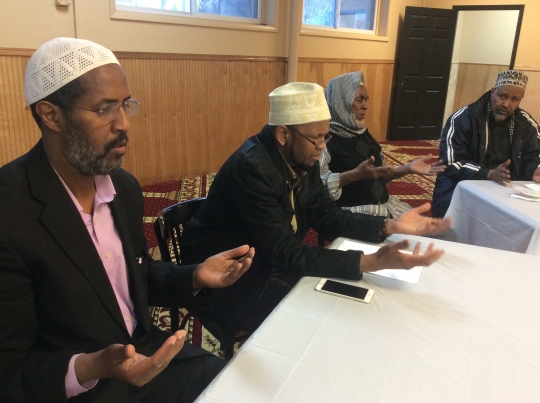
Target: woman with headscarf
x,y
352,166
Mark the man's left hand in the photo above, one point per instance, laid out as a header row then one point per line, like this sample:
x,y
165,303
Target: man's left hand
x,y
414,223
223,269
536,175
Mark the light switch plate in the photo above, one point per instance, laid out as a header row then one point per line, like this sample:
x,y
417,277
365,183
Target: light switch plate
x,y
63,2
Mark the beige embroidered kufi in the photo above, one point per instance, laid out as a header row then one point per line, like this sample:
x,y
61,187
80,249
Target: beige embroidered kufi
x,y
297,103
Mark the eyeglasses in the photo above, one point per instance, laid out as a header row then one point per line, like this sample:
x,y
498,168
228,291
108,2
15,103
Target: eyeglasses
x,y
110,112
317,144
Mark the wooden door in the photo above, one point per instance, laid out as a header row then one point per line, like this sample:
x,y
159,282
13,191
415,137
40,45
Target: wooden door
x,y
423,70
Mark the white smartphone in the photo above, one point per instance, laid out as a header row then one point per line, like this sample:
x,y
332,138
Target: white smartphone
x,y
345,290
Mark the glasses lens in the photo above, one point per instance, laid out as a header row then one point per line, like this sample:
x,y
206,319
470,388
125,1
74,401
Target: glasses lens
x,y
109,113
132,106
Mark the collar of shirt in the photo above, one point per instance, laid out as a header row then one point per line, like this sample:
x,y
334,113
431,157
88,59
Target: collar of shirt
x,y
293,178
105,191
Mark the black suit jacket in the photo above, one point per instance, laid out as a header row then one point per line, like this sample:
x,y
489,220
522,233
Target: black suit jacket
x,y
55,297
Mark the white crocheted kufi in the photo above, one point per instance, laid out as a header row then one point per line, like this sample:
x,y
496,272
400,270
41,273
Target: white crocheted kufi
x,y
60,61
512,77
297,103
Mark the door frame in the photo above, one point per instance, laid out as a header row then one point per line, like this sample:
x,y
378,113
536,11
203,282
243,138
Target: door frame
x,y
519,7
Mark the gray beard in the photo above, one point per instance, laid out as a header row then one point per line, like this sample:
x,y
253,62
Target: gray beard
x,y
500,118
84,158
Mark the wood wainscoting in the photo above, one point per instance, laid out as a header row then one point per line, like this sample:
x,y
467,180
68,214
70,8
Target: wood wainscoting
x,y
196,109
531,101
473,80
18,131
378,75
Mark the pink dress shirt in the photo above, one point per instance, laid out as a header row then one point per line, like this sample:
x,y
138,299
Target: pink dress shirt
x,y
100,226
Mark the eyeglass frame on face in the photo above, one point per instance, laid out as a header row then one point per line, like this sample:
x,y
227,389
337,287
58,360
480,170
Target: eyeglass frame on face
x,y
327,137
114,109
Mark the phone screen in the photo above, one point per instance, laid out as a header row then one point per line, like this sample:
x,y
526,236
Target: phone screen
x,y
345,289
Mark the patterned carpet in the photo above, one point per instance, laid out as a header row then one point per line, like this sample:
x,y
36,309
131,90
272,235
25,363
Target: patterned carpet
x,y
412,189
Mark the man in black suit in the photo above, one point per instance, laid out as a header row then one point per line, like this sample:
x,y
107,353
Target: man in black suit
x,y
75,275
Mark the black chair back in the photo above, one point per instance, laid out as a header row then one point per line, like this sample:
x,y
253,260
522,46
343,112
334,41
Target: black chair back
x,y
168,229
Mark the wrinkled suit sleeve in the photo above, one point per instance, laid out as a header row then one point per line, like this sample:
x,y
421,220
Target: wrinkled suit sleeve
x,y
170,284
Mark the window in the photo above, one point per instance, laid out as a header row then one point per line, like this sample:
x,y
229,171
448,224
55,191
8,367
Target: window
x,y
341,14
230,9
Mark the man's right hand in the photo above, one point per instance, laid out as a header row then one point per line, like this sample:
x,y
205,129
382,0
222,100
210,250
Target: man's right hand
x,y
501,175
389,257
123,362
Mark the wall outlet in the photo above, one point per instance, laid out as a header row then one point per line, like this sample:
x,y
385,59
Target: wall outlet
x,y
63,2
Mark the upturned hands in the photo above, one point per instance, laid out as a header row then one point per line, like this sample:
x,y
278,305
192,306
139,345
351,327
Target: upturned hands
x,y
366,170
123,362
390,257
414,223
423,166
223,269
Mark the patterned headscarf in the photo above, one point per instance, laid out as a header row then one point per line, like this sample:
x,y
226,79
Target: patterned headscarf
x,y
340,94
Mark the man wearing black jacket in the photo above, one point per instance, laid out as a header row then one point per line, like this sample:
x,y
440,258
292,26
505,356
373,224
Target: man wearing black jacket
x,y
269,193
490,139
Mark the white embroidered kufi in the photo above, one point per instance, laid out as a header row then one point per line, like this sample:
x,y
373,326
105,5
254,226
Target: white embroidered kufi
x,y
297,103
60,61
512,77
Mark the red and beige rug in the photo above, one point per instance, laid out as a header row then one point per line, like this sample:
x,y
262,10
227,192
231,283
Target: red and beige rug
x,y
412,189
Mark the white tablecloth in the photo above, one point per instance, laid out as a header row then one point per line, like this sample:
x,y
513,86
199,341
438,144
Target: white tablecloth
x,y
485,215
467,332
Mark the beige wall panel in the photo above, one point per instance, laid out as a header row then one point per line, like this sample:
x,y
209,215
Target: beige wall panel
x,y
474,80
94,23
493,32
30,23
378,77
529,40
18,132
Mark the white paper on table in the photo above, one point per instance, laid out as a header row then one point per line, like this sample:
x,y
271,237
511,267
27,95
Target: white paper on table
x,y
533,199
533,186
410,276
